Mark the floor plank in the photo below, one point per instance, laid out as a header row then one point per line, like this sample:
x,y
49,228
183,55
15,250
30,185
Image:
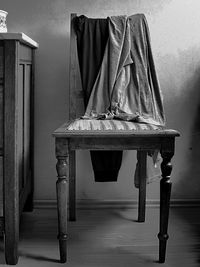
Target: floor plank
x,y
108,238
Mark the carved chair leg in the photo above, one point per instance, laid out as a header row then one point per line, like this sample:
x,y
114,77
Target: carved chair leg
x,y
142,162
165,192
62,196
72,186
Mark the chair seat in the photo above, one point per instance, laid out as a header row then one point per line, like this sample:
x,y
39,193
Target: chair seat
x,y
110,127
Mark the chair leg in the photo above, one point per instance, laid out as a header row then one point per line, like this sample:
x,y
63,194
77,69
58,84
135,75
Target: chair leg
x,y
142,165
62,197
72,186
165,192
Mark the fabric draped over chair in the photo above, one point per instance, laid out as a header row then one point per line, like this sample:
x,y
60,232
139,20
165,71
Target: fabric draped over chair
x,y
118,78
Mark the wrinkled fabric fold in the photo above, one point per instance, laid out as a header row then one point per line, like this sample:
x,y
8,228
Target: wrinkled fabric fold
x,y
126,86
118,77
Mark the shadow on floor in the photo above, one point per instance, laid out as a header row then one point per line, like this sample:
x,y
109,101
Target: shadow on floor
x,y
188,221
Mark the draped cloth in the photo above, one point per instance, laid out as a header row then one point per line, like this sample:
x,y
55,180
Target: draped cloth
x,y
122,83
92,38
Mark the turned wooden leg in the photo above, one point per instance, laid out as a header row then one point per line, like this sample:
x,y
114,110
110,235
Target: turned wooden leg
x,y
62,196
165,192
142,165
72,186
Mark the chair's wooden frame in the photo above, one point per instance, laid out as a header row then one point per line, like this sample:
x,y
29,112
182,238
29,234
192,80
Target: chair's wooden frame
x,y
67,142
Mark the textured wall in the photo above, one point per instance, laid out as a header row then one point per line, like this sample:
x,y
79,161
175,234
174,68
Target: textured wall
x,y
175,34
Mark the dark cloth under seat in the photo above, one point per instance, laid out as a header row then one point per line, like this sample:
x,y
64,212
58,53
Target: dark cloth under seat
x,y
92,37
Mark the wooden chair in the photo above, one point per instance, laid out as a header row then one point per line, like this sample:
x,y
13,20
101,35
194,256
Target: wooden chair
x,y
68,141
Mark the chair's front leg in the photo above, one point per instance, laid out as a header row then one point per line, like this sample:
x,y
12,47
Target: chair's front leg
x,y
62,168
165,192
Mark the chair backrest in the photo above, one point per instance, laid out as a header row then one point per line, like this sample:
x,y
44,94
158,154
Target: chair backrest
x,y
75,90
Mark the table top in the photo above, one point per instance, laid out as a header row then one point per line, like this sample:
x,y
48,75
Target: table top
x,y
20,36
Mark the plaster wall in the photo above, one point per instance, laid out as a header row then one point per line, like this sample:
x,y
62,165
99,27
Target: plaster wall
x,y
175,35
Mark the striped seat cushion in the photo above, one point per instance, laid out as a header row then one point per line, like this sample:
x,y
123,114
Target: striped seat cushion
x,y
109,125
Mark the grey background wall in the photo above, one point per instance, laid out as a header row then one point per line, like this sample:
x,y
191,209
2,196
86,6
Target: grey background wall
x,y
174,27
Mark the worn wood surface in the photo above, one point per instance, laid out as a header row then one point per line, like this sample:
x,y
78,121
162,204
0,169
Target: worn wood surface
x,y
1,91
117,143
19,36
11,169
1,187
62,196
1,124
73,72
63,132
62,188
165,192
28,206
17,114
109,238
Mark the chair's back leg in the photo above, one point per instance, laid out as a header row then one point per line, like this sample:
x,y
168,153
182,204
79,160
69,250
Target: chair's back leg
x,y
72,185
142,167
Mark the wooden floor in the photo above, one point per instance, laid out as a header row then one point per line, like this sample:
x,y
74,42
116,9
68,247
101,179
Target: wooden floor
x,y
109,238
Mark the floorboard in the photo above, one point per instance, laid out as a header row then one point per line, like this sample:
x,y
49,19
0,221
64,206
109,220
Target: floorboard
x,y
108,238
